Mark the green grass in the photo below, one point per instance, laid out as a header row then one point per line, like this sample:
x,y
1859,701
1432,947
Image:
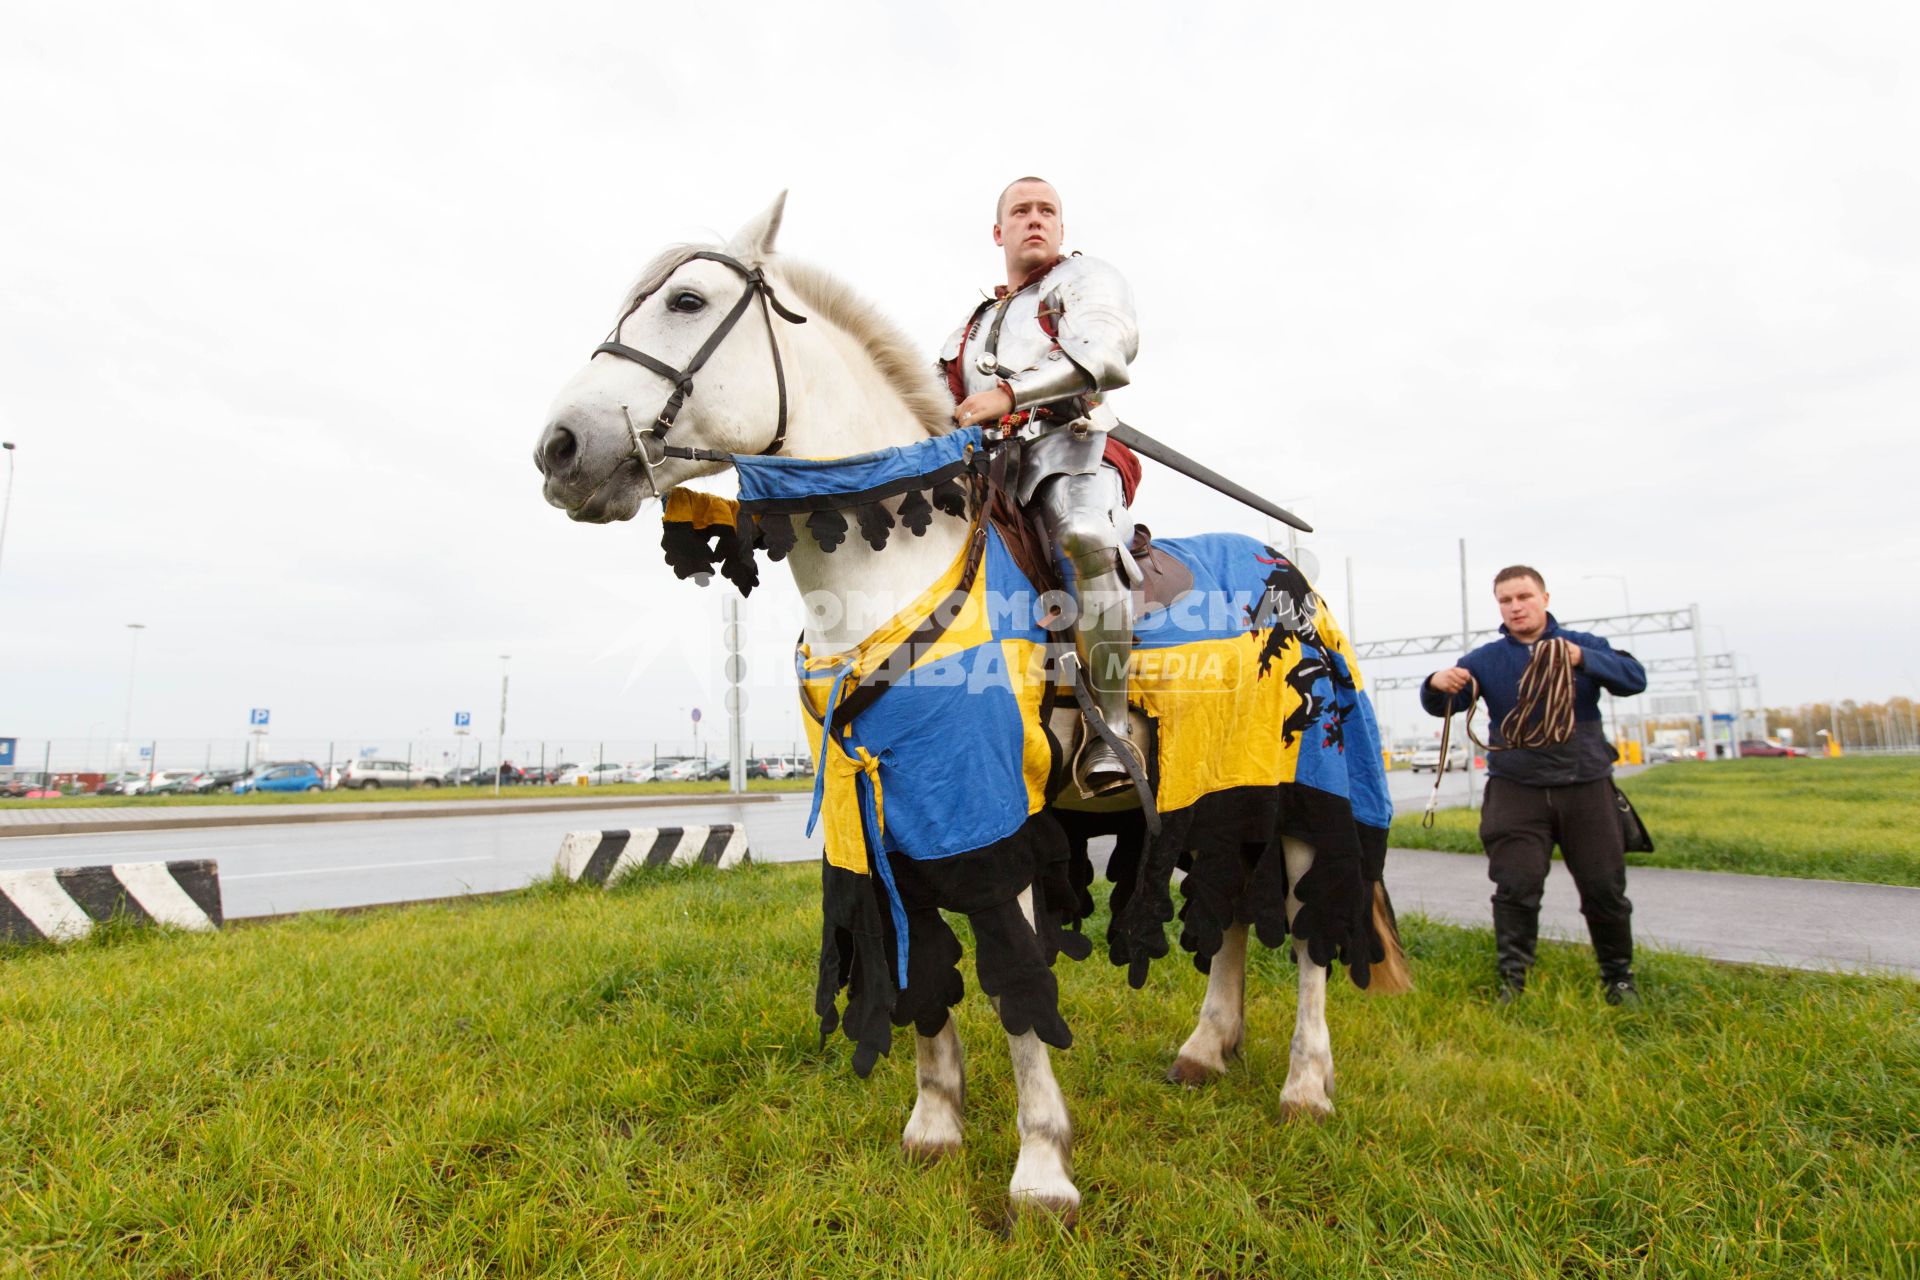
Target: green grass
x,y
569,1082
1847,819
405,795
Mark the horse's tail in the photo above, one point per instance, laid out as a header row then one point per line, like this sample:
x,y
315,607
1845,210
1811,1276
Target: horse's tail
x,y
1392,976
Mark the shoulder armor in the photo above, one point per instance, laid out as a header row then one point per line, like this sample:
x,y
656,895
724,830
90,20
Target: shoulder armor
x,y
1096,325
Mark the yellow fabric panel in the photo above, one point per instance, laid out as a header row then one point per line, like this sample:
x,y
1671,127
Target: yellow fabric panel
x,y
701,510
1219,719
1026,664
846,845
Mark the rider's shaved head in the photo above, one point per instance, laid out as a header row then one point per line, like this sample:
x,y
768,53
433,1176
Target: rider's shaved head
x,y
1000,205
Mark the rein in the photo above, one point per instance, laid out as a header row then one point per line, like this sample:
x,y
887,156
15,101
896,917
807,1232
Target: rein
x,y
655,433
1542,714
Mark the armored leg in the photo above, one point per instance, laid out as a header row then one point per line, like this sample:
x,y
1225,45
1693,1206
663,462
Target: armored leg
x,y
1080,513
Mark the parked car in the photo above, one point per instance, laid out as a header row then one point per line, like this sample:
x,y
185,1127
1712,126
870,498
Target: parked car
x,y
213,780
682,769
1428,757
781,767
371,775
1759,747
126,784
169,782
596,775
461,777
511,775
281,777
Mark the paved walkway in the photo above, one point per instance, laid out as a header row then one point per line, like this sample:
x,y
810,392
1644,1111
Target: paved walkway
x,y
53,821
1800,924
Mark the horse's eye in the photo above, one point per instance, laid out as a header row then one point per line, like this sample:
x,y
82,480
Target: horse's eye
x,y
686,301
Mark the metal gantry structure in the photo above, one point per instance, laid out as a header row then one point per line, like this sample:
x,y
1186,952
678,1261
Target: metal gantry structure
x,y
1703,668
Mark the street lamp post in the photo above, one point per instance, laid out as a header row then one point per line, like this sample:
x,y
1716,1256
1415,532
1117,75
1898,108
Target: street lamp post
x,y
1626,604
133,665
6,509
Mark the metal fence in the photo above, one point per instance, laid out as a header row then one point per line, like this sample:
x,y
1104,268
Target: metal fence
x,y
35,757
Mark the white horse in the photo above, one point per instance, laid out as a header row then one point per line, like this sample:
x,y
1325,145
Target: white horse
x,y
850,383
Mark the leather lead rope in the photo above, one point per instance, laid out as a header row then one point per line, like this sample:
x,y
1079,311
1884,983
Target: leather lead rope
x,y
1542,714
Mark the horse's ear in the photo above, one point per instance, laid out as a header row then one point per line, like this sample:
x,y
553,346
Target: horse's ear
x,y
755,240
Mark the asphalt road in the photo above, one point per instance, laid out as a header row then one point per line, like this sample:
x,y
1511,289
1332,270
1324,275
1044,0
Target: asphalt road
x,y
273,870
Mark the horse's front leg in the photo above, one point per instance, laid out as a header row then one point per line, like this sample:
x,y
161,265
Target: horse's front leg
x,y
1043,1175
1309,1087
935,1127
1222,1023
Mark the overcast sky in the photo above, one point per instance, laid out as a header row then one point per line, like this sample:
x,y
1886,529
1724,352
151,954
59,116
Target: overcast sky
x,y
285,293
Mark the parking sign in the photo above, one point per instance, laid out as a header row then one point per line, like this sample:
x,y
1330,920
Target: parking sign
x,y
258,716
462,719
6,752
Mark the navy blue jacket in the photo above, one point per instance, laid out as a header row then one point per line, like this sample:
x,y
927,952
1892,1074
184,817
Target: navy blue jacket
x,y
1585,756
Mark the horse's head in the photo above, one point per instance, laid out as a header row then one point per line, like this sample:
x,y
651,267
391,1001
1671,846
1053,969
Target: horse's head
x,y
689,370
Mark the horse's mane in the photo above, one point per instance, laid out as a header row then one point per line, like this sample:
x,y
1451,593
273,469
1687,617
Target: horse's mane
x,y
904,367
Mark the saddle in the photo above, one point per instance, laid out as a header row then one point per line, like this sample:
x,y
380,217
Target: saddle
x,y
1163,579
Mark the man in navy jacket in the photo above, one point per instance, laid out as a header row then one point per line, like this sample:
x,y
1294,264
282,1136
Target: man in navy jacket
x,y
1541,796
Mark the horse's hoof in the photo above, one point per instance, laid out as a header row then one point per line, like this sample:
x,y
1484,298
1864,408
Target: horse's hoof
x,y
1191,1073
928,1152
1064,1209
1316,1112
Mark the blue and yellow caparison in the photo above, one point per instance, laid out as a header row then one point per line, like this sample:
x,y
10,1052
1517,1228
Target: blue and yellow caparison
x,y
939,793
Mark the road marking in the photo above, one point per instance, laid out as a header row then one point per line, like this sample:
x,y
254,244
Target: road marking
x,y
369,866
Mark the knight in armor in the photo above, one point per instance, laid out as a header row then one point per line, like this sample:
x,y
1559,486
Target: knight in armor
x,y
1034,362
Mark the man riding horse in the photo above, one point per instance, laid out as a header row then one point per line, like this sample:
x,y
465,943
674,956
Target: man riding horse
x,y
1034,360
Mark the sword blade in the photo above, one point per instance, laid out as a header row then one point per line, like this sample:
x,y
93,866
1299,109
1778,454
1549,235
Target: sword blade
x,y
1146,446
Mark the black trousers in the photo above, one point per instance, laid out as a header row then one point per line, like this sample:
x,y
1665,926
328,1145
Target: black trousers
x,y
1519,825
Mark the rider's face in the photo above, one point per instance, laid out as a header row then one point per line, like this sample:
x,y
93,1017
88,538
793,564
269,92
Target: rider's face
x,y
1029,230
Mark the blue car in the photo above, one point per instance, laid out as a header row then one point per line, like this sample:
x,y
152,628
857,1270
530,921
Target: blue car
x,y
281,777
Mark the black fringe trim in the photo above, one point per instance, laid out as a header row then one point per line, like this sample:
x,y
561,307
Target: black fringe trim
x,y
1228,843
1013,962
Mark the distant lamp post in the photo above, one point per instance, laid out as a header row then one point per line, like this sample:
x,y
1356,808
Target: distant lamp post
x,y
133,666
6,509
500,742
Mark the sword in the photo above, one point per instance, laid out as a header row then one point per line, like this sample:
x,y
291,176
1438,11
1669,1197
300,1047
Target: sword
x,y
1145,445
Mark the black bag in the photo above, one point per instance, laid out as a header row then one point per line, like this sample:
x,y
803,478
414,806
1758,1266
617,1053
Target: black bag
x,y
1633,832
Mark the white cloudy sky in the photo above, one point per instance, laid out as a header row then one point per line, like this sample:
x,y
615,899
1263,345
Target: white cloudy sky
x,y
285,291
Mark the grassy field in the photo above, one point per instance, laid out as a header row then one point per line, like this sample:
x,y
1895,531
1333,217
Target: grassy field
x,y
412,794
1847,819
569,1082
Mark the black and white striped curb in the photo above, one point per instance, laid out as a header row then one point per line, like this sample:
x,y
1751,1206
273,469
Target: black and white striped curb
x,y
598,856
65,903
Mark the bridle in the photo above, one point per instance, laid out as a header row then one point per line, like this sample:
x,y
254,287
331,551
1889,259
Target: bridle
x,y
650,447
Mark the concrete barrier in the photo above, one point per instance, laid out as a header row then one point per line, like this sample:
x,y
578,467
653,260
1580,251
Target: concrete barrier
x,y
65,903
596,857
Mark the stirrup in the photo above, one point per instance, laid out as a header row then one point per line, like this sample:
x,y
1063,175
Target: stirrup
x,y
1098,769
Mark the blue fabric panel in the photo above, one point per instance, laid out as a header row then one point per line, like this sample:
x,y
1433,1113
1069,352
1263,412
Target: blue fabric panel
x,y
1229,579
764,478
1340,754
1010,597
949,741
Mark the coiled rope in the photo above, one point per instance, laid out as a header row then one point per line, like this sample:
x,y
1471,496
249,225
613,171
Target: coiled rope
x,y
1542,714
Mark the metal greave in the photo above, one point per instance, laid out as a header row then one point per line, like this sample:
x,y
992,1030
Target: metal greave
x,y
1079,511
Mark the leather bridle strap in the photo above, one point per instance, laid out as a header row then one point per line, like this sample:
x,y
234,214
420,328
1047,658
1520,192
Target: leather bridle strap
x,y
682,379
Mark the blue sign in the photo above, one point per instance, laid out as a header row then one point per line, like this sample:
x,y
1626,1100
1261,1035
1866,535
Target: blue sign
x,y
462,719
145,752
6,752
258,716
